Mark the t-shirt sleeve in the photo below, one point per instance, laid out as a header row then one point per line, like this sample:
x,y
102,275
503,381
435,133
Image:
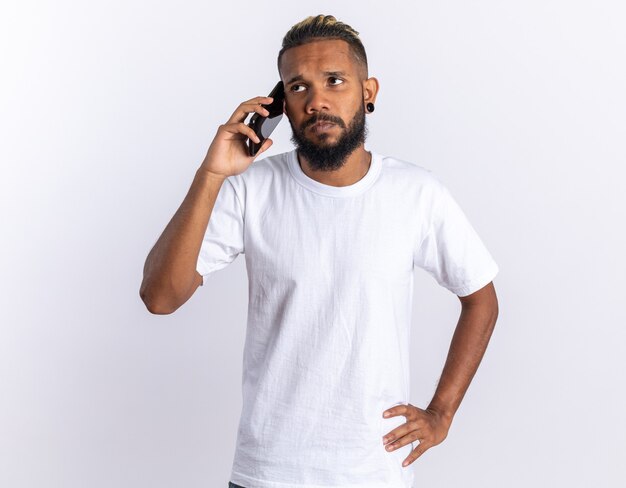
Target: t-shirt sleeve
x,y
451,251
223,240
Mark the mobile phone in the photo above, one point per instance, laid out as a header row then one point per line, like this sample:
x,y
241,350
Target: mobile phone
x,y
264,126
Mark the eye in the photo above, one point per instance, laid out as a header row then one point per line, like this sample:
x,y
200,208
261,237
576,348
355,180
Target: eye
x,y
293,87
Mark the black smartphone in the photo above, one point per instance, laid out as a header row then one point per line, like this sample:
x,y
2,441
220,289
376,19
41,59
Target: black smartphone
x,y
264,126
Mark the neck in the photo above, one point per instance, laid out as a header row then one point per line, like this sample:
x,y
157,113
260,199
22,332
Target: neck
x,y
355,168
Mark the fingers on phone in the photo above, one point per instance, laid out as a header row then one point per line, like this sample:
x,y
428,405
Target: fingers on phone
x,y
260,110
241,128
259,99
250,133
245,108
266,144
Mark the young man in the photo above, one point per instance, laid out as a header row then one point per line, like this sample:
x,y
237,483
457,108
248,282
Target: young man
x,y
331,233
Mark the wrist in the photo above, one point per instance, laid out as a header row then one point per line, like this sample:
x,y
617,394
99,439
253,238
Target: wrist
x,y
444,411
209,175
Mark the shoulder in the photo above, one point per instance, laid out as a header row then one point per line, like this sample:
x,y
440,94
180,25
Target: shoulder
x,y
262,168
261,172
412,176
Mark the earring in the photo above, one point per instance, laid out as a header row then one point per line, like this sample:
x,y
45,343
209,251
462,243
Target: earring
x,y
370,107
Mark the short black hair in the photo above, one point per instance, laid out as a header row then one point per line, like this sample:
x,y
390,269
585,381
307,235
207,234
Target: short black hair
x,y
324,27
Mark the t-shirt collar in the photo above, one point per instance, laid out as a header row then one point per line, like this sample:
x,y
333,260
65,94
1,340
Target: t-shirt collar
x,y
335,191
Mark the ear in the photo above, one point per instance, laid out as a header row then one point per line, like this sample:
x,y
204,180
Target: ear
x,y
370,89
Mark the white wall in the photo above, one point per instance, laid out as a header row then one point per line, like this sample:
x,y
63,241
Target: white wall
x,y
108,108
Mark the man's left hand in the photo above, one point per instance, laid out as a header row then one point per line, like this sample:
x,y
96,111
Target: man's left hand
x,y
429,427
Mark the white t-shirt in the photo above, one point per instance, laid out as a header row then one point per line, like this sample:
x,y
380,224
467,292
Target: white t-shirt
x,y
330,273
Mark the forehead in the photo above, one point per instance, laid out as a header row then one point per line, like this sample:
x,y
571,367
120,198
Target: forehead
x,y
317,56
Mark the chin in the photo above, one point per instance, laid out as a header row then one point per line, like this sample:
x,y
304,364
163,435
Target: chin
x,y
325,141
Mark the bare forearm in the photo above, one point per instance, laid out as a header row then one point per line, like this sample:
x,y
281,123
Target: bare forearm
x,y
170,268
467,348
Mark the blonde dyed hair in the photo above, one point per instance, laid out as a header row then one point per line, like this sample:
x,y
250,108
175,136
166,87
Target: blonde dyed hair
x,y
324,27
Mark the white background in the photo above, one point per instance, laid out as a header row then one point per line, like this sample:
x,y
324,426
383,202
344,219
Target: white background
x,y
108,108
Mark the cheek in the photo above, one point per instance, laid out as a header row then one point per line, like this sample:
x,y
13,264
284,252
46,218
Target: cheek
x,y
289,108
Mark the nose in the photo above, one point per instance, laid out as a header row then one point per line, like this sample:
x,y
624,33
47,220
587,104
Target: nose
x,y
316,101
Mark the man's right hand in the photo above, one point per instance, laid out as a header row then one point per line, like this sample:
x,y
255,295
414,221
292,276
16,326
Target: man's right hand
x,y
228,153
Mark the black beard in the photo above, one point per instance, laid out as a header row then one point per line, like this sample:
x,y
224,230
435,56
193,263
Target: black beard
x,y
329,157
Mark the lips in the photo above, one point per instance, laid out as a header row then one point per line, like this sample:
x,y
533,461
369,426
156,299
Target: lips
x,y
322,126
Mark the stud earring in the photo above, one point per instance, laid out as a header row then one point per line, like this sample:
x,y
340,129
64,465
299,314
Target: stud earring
x,y
370,107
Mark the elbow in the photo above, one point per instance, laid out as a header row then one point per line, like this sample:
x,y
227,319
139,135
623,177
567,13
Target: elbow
x,y
163,297
157,310
153,305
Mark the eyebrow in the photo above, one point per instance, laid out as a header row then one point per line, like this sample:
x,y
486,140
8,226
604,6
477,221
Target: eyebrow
x,y
326,73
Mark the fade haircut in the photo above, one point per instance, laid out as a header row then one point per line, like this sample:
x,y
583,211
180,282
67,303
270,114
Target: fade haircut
x,y
325,27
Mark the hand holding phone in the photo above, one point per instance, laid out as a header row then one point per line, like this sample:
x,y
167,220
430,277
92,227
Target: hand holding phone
x,y
264,126
228,154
